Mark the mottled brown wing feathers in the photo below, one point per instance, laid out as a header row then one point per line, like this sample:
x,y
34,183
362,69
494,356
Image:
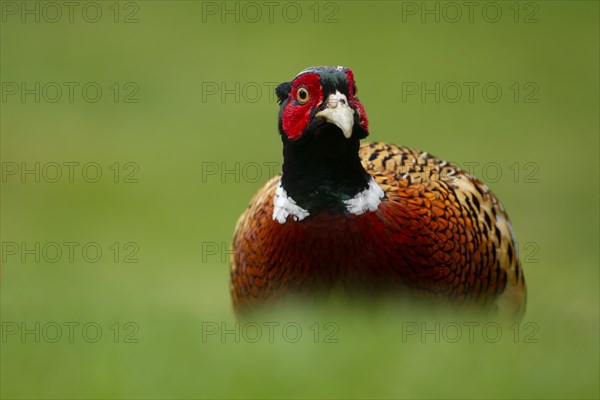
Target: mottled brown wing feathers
x,y
474,237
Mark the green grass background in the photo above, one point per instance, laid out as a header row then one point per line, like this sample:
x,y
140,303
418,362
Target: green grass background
x,y
171,132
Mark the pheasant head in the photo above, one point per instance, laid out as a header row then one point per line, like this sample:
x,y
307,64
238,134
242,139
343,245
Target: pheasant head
x,y
317,98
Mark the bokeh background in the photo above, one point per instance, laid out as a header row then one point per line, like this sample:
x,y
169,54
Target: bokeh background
x,y
183,122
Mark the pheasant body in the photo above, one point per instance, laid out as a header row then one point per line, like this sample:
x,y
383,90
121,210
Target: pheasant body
x,y
369,219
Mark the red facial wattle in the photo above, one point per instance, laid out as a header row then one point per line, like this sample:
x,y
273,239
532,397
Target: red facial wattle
x,y
357,105
296,116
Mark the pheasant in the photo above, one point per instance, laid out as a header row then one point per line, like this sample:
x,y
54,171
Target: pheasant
x,y
368,219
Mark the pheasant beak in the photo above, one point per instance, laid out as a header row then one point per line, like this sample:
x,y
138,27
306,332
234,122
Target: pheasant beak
x,y
338,112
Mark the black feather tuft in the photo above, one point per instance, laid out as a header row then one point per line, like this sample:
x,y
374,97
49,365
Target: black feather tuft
x,y
283,91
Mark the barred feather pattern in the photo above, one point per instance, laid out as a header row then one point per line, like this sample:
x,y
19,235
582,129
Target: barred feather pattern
x,y
439,233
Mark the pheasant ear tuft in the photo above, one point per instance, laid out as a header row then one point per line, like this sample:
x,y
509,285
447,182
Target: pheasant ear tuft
x,y
283,91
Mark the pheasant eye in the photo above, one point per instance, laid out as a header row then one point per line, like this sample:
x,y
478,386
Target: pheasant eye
x,y
302,95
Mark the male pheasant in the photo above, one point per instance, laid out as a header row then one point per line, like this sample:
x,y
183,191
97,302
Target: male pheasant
x,y
371,219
